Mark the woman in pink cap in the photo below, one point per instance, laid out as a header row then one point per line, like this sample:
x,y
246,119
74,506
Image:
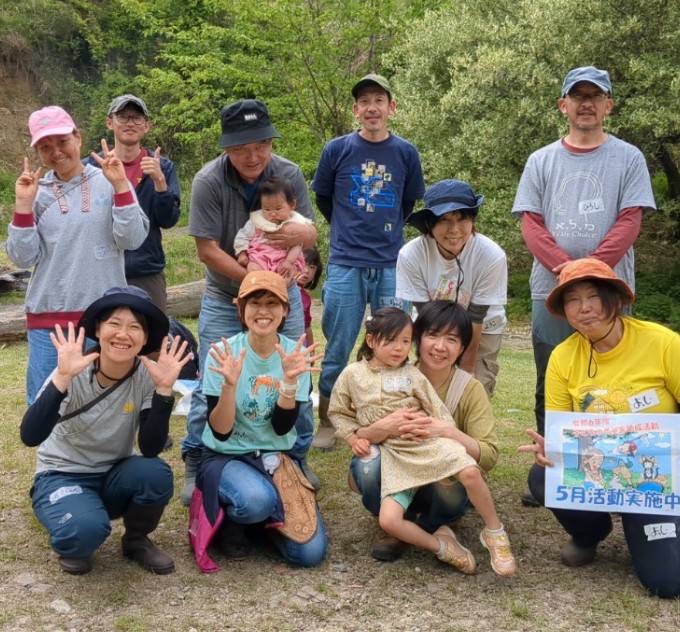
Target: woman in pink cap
x,y
613,363
71,225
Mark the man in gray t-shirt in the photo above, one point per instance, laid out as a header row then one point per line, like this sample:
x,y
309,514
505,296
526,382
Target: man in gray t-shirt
x,y
583,195
223,194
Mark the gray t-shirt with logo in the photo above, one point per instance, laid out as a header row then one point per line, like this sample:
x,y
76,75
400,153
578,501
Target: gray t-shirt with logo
x,y
580,196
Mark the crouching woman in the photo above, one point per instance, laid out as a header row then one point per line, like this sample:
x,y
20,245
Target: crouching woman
x,y
255,382
85,421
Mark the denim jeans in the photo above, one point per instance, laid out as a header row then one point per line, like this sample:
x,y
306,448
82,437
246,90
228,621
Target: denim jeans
x,y
77,509
345,295
433,505
547,331
249,497
656,562
218,318
42,359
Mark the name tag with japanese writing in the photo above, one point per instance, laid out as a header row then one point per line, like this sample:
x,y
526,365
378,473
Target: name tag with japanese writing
x,y
660,531
643,400
397,384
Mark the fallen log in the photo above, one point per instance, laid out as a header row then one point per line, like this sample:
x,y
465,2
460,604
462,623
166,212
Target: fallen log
x,y
183,300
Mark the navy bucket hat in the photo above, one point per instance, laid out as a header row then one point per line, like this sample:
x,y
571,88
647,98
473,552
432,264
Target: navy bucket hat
x,y
446,196
136,300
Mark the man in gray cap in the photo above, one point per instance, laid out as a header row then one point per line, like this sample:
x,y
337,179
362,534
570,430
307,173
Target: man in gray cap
x,y
581,196
157,188
366,184
224,192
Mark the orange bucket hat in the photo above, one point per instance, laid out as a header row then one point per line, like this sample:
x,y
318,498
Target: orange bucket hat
x,y
585,270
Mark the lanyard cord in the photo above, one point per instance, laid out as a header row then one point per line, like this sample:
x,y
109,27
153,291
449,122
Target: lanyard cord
x,y
592,362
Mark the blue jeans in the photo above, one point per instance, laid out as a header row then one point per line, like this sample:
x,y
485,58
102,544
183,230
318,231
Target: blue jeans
x,y
77,509
433,505
547,331
42,359
219,318
656,562
249,497
345,295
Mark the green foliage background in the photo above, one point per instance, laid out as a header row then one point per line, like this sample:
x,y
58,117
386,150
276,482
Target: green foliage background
x,y
476,85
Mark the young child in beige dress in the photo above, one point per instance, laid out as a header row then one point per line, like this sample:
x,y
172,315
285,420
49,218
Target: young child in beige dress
x,y
380,382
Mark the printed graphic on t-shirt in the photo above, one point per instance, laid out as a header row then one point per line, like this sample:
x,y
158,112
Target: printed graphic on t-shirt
x,y
372,189
258,402
620,399
448,290
578,205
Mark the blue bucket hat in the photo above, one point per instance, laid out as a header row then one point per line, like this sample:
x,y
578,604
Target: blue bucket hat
x,y
137,300
597,77
444,197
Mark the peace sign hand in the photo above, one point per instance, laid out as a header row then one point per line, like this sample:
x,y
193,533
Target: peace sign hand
x,y
226,364
112,168
166,369
26,188
70,358
298,361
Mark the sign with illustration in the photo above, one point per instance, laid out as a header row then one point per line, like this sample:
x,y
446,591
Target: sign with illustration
x,y
626,463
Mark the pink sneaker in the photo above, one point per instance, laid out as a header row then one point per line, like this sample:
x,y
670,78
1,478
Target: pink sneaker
x,y
454,552
502,560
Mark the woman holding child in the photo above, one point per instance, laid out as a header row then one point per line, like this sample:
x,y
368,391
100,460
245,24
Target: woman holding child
x,y
255,383
613,363
441,333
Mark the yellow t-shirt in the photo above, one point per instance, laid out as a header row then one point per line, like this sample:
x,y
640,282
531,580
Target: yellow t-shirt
x,y
640,375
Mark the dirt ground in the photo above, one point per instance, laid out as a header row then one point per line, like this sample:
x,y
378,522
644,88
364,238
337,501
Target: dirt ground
x,y
349,591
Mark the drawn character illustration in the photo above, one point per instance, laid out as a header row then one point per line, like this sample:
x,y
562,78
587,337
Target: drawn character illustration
x,y
591,464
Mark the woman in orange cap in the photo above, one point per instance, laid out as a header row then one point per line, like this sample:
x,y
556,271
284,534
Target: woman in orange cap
x,y
613,363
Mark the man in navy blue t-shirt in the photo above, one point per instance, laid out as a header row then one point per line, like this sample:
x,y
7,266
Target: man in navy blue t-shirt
x,y
366,185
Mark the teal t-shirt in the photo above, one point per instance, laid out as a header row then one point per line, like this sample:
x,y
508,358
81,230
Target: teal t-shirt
x,y
257,392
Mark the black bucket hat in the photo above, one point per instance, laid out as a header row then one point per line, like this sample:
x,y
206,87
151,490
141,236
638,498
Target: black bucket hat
x,y
445,196
244,122
135,299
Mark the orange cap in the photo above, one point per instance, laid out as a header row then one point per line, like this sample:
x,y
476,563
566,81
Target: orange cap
x,y
584,270
264,280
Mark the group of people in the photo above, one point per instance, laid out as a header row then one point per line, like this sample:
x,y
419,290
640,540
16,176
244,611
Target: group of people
x,y
421,435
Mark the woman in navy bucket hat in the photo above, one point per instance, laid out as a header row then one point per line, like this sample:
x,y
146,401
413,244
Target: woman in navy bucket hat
x,y
452,261
85,421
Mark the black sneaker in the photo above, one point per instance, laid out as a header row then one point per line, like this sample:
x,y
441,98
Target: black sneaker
x,y
232,541
387,549
528,500
574,555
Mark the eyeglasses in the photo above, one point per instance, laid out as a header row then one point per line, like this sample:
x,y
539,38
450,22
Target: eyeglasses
x,y
596,97
137,119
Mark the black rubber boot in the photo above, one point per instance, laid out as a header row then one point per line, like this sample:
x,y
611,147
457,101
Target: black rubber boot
x,y
139,521
192,459
232,540
75,565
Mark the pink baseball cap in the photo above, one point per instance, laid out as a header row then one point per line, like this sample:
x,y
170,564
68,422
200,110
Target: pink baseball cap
x,y
48,122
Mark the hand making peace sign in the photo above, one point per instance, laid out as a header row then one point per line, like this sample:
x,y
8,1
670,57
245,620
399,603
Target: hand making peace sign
x,y
112,168
26,188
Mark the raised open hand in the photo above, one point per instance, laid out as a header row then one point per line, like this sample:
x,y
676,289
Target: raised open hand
x,y
226,364
165,370
298,361
26,188
112,168
70,358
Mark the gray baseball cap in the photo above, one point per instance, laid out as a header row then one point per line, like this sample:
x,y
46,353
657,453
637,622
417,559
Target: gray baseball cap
x,y
127,99
597,77
372,80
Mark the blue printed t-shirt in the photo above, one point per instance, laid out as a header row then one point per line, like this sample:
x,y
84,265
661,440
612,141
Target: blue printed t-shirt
x,y
257,392
368,183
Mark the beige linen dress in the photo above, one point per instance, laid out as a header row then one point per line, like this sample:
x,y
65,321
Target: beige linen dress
x,y
363,395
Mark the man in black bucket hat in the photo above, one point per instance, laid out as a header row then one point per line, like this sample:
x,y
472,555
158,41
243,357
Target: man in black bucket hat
x,y
224,192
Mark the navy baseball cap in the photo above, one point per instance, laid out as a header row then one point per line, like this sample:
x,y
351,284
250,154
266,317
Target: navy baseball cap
x,y
597,77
